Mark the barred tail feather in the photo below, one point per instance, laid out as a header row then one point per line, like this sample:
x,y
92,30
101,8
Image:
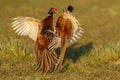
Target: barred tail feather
x,y
39,61
46,66
46,60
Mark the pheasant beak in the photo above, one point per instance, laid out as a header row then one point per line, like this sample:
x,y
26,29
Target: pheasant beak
x,y
56,12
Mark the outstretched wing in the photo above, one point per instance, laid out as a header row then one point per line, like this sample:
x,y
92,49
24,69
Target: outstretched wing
x,y
76,28
26,26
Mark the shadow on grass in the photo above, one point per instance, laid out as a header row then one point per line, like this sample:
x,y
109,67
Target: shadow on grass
x,y
75,53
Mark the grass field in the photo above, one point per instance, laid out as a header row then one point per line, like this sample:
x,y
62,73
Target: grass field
x,y
95,57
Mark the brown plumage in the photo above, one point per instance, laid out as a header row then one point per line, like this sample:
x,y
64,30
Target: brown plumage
x,y
69,30
42,32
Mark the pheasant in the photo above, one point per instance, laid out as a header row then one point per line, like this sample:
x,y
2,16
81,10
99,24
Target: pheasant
x,y
69,30
42,32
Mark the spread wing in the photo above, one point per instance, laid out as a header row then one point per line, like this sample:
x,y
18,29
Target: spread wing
x,y
26,26
69,26
76,27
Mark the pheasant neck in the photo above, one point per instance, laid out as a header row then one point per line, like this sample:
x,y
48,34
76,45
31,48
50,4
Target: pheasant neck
x,y
48,23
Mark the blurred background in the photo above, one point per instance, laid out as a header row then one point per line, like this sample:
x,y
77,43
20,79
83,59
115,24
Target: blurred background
x,y
99,18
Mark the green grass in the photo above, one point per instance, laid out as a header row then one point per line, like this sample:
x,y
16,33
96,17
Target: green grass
x,y
95,57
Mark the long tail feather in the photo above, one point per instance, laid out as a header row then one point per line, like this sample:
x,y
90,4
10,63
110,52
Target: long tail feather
x,y
46,60
46,66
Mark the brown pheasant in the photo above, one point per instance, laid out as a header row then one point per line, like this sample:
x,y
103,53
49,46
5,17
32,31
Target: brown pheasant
x,y
69,30
42,32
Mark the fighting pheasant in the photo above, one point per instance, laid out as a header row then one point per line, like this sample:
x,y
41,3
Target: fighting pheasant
x,y
69,30
42,32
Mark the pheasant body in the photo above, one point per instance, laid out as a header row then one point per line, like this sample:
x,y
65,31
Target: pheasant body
x,y
42,32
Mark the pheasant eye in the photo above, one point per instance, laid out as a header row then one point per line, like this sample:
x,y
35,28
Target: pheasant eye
x,y
50,33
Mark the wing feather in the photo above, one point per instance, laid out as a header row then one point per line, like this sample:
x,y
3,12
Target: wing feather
x,y
76,31
76,27
26,26
56,42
